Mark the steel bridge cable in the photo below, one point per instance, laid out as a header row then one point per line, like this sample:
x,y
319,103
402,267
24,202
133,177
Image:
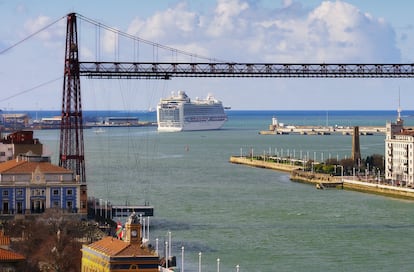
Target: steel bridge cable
x,y
158,45
31,89
31,35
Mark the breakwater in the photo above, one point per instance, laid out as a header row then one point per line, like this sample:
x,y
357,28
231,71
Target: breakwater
x,y
285,167
379,189
321,130
328,181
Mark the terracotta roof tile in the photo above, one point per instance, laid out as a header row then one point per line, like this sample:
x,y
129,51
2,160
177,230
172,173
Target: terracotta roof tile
x,y
4,239
135,250
109,246
9,165
114,247
7,255
14,166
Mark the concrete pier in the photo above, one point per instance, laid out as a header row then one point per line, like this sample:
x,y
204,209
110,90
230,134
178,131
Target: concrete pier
x,y
284,167
322,130
105,209
328,181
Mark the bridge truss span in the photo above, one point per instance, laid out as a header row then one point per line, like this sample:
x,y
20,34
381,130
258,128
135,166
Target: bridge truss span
x,y
167,70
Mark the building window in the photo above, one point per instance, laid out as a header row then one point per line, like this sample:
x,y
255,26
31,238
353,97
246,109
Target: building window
x,y
70,192
5,207
5,193
19,207
38,192
55,192
19,192
55,204
2,153
69,205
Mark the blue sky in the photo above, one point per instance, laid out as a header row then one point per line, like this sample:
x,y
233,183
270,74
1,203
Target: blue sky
x,y
369,31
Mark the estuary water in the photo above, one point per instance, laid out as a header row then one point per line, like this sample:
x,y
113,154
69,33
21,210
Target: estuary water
x,y
255,218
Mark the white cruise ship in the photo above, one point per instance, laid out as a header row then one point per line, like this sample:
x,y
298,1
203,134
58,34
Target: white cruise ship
x,y
179,113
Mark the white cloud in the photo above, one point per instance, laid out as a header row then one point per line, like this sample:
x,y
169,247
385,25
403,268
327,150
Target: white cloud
x,y
339,31
287,3
34,25
227,17
236,31
53,34
172,24
109,43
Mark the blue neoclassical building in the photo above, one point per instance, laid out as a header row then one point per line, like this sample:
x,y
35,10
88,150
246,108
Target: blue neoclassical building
x,y
31,184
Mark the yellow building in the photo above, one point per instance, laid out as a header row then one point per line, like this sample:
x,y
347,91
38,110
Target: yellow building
x,y
113,255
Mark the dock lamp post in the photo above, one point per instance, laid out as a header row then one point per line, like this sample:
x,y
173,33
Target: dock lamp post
x,y
199,262
166,254
182,259
342,172
379,178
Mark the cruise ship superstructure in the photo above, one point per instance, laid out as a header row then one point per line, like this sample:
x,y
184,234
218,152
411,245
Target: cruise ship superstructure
x,y
179,113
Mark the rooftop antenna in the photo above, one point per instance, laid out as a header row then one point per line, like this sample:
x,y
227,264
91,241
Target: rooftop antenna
x,y
399,106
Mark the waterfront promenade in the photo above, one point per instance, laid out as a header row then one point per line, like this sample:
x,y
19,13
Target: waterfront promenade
x,y
322,130
353,183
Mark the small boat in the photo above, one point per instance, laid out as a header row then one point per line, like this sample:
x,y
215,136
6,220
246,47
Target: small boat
x,y
99,130
319,186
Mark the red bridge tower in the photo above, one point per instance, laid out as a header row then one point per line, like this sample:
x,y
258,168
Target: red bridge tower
x,y
71,152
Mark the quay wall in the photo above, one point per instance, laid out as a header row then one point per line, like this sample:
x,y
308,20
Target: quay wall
x,y
313,178
347,183
379,189
322,130
263,164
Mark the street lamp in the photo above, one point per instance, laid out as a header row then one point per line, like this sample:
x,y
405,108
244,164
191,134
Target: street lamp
x,y
199,262
342,172
182,259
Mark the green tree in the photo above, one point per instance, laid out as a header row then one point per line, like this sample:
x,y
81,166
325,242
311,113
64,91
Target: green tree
x,y
52,240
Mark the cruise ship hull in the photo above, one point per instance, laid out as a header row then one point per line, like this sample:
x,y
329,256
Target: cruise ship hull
x,y
192,126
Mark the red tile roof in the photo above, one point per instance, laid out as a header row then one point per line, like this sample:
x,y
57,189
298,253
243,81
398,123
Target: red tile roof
x,y
10,256
113,247
27,167
4,240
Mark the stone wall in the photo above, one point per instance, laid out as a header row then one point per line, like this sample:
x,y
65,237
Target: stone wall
x,y
264,164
